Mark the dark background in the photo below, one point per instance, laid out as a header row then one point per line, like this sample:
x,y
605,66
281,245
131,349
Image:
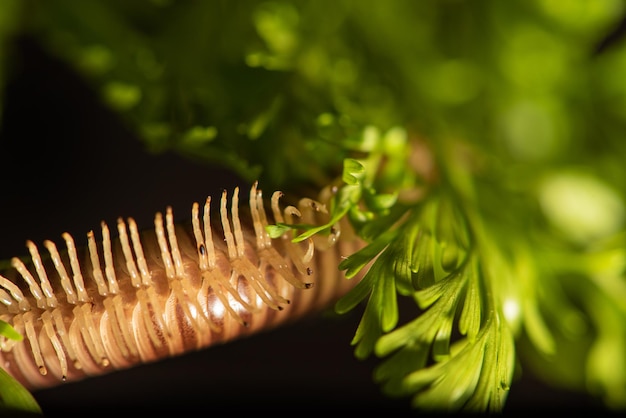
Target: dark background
x,y
67,164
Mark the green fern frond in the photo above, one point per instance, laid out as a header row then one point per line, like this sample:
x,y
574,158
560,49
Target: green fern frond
x,y
422,249
475,377
472,373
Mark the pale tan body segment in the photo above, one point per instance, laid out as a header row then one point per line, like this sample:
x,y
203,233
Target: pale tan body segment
x,y
148,295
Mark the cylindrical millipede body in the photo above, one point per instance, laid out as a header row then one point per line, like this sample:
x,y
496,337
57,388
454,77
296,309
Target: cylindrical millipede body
x,y
132,296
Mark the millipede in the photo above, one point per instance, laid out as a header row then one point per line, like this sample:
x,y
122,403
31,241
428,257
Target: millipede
x,y
139,296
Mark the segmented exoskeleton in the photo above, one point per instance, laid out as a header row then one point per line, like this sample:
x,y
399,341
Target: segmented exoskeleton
x,y
147,295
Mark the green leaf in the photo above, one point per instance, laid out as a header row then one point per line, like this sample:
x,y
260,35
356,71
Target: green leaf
x,y
368,332
392,371
441,343
422,261
358,293
379,202
278,230
381,311
14,397
469,321
537,330
497,343
420,330
259,124
474,377
447,386
199,135
353,171
345,199
447,288
6,330
401,267
121,95
388,301
377,225
356,261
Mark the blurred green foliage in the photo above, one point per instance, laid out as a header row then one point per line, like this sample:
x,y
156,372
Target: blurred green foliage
x,y
521,103
518,79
